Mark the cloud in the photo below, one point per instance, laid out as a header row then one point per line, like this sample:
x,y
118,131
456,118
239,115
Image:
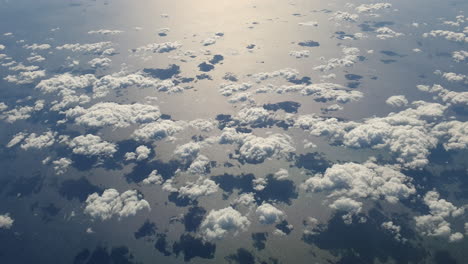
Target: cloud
x,y
453,134
406,133
202,187
39,141
37,46
447,96
394,230
435,223
199,166
93,48
219,223
26,77
153,178
102,63
254,149
17,138
268,214
111,203
209,41
187,153
92,145
158,130
281,174
299,54
158,47
368,8
6,222
341,16
35,58
448,35
61,165
113,114
397,101
460,56
387,33
141,153
350,57
367,180
105,32
309,24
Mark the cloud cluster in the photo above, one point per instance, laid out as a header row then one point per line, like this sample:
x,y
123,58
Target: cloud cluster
x,y
268,214
158,47
350,57
91,145
361,181
219,223
141,153
112,203
369,8
255,149
35,141
61,165
93,48
6,222
397,101
113,114
435,223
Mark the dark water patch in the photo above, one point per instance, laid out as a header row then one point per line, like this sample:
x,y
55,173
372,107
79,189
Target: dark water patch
x,y
148,229
229,76
161,245
229,183
287,106
205,67
216,59
388,61
193,218
163,73
308,43
78,189
353,85
284,227
193,247
26,186
313,161
304,80
363,243
353,77
142,170
204,76
443,257
391,53
49,212
242,256
180,201
100,255
277,191
259,240
250,46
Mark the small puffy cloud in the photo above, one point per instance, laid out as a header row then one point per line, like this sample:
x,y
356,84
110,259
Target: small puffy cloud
x,y
158,47
113,114
254,149
455,237
447,96
460,56
199,166
387,33
141,153
219,223
158,130
153,178
309,24
37,46
341,16
202,187
281,174
347,205
299,53
6,222
350,57
92,145
112,203
209,41
369,8
100,63
247,200
16,139
61,165
36,58
105,32
35,141
94,48
394,230
286,73
397,101
187,153
453,134
268,214
448,35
